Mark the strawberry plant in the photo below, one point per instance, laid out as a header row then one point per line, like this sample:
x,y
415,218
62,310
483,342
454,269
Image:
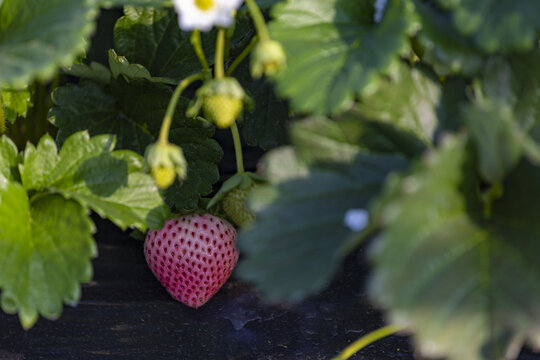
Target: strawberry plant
x,y
407,127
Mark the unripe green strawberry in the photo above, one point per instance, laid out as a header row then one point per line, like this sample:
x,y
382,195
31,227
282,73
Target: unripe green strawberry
x,y
221,109
164,177
234,204
222,101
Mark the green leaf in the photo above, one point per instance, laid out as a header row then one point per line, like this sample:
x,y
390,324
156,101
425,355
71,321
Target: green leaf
x,y
448,273
133,112
121,66
38,36
295,245
109,182
407,99
335,50
495,25
322,140
499,140
266,124
151,37
15,103
449,51
37,163
95,72
8,160
45,252
202,154
515,81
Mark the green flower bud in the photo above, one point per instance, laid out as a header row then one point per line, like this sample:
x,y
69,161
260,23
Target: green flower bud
x,y
166,162
268,58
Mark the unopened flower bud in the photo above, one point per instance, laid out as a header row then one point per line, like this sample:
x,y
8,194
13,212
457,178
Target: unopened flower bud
x,y
268,58
166,162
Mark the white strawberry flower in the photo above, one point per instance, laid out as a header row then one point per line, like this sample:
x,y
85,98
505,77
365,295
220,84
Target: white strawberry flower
x,y
205,14
356,219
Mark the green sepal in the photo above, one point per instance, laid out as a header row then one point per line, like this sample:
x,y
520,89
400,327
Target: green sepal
x,y
241,181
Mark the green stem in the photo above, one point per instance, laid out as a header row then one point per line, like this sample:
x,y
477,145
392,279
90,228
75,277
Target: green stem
x,y
237,148
367,340
242,55
2,117
196,42
167,119
258,19
477,88
219,71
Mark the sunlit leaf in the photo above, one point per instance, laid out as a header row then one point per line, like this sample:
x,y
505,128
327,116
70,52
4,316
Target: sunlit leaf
x,y
335,50
88,170
45,252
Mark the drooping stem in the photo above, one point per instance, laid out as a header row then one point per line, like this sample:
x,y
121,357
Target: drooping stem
x,y
258,20
195,40
237,148
167,119
367,340
242,55
219,71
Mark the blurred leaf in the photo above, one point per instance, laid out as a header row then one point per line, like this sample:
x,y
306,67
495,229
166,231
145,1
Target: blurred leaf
x,y
406,99
454,95
45,252
36,37
282,164
87,170
449,274
499,139
15,103
299,257
8,160
151,37
133,112
319,139
515,80
335,50
497,25
152,3
449,51
266,124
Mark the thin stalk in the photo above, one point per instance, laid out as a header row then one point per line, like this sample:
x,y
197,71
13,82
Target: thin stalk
x,y
258,20
167,119
237,148
242,55
367,340
2,117
219,71
196,42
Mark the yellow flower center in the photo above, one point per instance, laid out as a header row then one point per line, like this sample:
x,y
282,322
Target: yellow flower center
x,y
204,5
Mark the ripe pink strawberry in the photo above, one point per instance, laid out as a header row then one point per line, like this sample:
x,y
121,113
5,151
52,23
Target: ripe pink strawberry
x,y
192,256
